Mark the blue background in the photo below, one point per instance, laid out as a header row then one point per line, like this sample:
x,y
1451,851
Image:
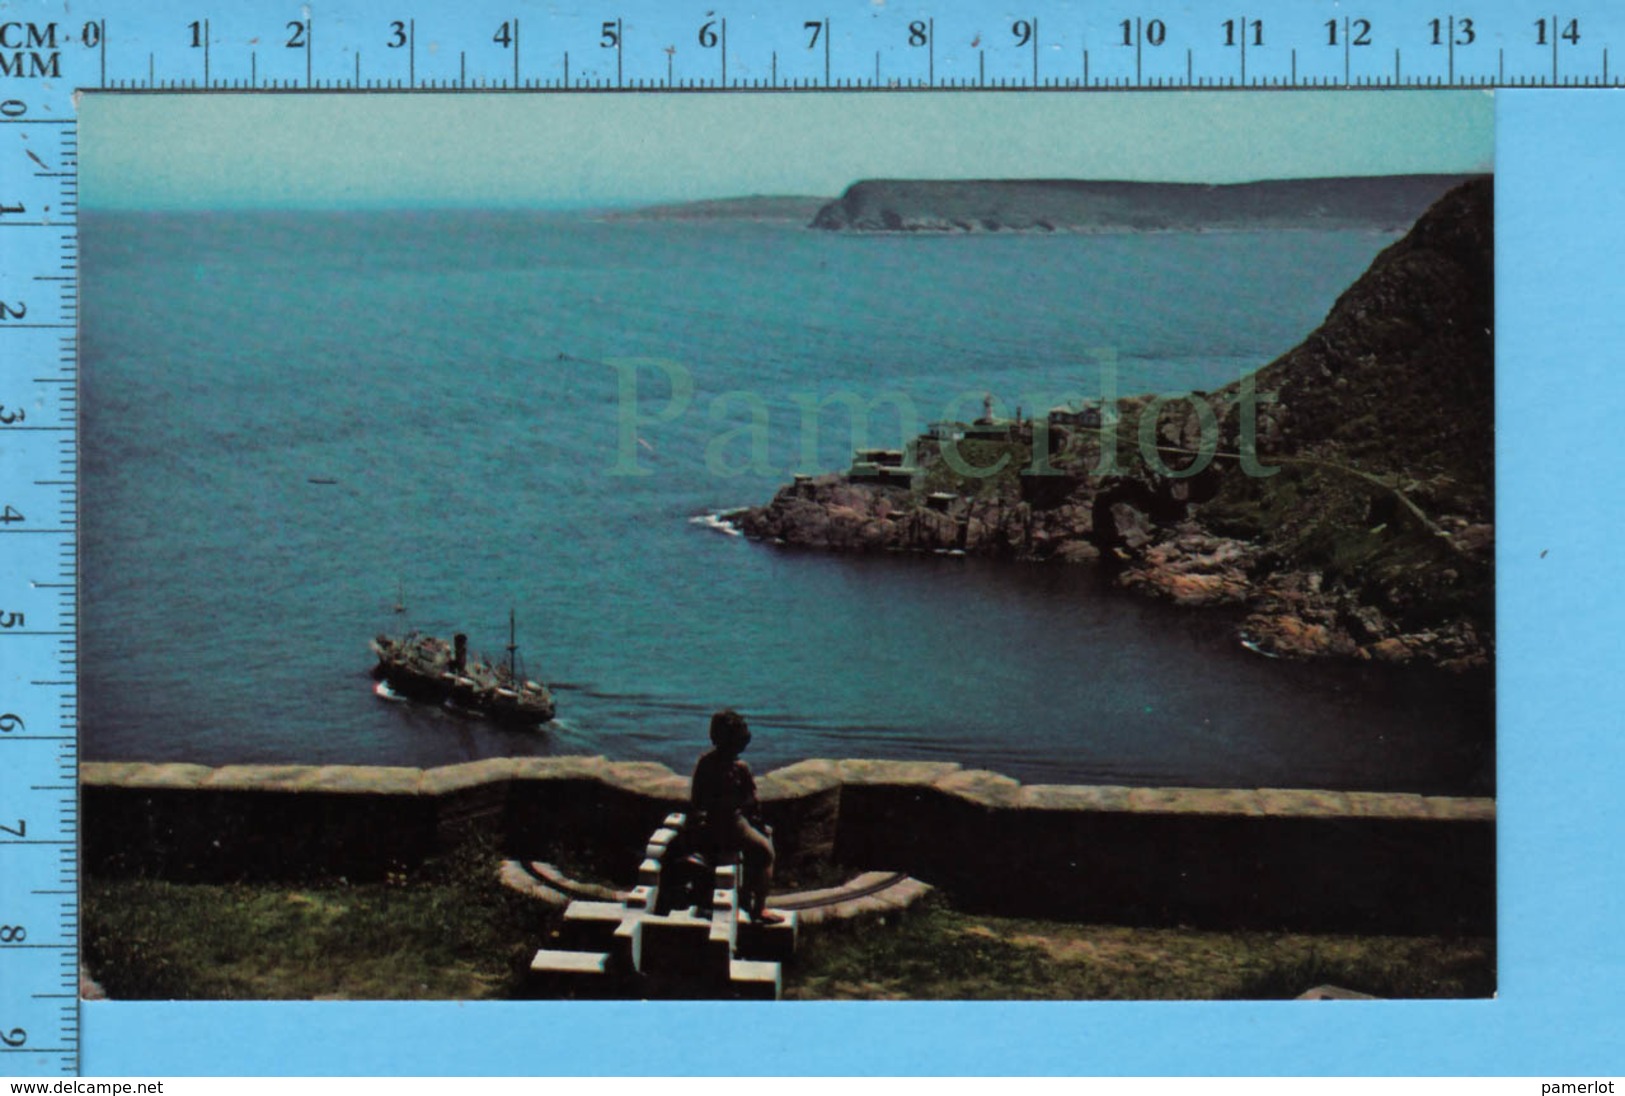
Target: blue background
x,y
1560,241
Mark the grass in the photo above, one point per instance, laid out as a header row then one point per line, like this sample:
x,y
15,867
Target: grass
x,y
451,931
936,953
448,931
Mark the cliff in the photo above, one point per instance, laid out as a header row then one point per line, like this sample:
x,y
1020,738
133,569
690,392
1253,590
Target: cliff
x,y
1372,539
1059,205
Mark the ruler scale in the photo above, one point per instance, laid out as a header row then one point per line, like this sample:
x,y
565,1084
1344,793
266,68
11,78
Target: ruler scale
x,y
39,979
271,48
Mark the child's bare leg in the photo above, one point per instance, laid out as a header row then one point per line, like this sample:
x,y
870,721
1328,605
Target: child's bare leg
x,y
759,855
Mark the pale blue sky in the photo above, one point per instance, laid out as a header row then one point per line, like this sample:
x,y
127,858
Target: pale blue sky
x,y
248,151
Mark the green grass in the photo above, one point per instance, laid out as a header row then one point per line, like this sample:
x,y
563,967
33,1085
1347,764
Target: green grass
x,y
451,931
448,931
936,953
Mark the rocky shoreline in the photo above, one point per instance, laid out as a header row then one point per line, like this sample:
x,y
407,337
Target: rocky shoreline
x,y
1374,538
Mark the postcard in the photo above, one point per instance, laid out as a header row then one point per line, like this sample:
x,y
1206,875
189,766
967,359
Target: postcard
x,y
878,561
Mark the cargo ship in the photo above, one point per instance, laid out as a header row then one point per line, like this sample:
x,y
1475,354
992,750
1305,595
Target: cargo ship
x,y
427,669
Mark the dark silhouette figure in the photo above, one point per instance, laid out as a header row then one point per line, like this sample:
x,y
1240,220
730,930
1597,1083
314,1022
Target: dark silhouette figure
x,y
727,817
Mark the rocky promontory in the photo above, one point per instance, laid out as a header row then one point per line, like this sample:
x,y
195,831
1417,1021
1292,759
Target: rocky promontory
x,y
1072,205
1361,527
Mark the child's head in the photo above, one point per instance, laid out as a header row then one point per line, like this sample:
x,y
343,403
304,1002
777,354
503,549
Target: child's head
x,y
729,732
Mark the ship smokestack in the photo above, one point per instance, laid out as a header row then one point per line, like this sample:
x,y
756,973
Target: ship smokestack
x,y
459,657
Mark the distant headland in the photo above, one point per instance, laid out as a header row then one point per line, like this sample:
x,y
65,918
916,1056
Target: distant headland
x,y
1390,202
1384,202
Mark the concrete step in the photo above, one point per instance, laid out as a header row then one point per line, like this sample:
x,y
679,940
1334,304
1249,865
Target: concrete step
x,y
678,944
570,973
590,926
753,940
755,980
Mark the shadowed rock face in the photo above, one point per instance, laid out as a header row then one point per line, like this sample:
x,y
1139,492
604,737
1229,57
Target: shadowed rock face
x,y
1059,205
1374,539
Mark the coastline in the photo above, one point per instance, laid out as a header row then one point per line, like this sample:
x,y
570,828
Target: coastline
x,y
1340,496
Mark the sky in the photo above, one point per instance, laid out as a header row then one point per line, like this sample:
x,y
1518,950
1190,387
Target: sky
x,y
179,152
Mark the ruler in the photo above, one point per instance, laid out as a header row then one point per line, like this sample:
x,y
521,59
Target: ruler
x,y
39,981
517,47
636,45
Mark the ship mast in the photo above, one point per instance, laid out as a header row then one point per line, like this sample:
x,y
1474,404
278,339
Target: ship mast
x,y
513,672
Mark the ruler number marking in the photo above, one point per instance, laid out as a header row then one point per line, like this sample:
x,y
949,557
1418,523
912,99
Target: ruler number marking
x,y
13,934
16,1037
20,831
1231,26
11,721
1465,34
1154,34
1358,30
1570,34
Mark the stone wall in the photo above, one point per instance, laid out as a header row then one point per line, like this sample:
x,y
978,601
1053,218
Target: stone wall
x,y
1205,857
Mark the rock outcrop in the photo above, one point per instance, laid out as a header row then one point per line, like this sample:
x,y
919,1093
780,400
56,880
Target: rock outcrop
x,y
1362,528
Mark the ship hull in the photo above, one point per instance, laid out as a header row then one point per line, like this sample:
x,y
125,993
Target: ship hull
x,y
423,669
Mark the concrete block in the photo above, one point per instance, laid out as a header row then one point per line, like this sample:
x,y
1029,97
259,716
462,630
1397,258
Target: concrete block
x,y
649,873
569,973
642,898
675,944
720,945
626,948
755,980
659,841
724,900
591,925
775,942
549,961
727,877
676,820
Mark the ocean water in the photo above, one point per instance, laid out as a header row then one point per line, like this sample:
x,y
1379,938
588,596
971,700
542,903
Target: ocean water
x,y
453,374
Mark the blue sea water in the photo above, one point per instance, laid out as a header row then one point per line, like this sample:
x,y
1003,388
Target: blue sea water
x,y
447,372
